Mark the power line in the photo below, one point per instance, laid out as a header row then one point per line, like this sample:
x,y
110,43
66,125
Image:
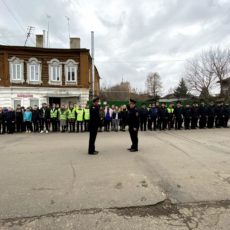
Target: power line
x,y
12,14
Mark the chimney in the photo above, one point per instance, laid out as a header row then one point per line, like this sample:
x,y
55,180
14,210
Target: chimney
x,y
75,43
39,40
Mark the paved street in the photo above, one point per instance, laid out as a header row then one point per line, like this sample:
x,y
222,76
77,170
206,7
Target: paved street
x,y
178,180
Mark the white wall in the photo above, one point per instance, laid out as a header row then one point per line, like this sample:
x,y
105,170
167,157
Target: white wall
x,y
9,94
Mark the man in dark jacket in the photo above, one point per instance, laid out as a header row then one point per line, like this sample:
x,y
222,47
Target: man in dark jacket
x,y
194,115
187,116
163,117
123,118
19,119
44,116
226,114
154,115
10,120
133,122
211,115
35,119
202,115
178,113
94,123
143,117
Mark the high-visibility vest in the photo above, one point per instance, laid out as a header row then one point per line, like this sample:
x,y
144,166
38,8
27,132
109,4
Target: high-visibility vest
x,y
53,113
170,110
80,113
63,115
71,113
87,114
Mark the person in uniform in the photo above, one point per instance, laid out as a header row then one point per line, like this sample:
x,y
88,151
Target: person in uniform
x,y
71,118
202,115
94,123
211,115
170,110
178,113
226,114
163,117
133,122
187,116
80,118
63,114
143,117
86,117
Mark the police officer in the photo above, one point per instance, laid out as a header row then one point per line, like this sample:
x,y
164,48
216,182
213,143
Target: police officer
x,y
94,123
143,117
86,117
211,115
194,115
178,113
133,122
54,117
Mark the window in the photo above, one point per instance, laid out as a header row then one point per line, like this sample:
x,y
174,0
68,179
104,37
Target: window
x,y
34,102
55,72
71,72
16,102
34,71
16,70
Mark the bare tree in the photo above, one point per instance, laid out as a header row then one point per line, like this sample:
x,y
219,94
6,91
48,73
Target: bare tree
x,y
220,63
153,84
199,74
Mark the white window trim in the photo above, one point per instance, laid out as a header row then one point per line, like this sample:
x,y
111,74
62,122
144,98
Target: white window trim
x,y
71,63
12,62
51,64
34,61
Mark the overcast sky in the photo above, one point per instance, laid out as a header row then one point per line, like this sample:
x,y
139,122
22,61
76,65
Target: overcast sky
x,y
132,37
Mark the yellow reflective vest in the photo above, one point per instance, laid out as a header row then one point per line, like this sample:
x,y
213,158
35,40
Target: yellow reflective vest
x,y
87,114
80,113
63,114
54,113
170,110
71,114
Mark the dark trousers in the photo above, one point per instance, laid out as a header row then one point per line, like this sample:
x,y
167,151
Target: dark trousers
x,y
143,124
10,126
194,122
42,123
28,126
210,122
19,127
178,123
170,122
187,122
150,123
134,138
154,122
1,127
36,126
202,122
86,125
92,139
107,125
79,125
225,122
54,124
71,125
162,123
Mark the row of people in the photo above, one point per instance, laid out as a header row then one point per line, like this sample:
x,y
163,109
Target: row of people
x,y
113,118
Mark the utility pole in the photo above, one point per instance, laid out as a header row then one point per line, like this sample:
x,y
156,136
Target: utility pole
x,y
92,54
30,28
48,30
68,19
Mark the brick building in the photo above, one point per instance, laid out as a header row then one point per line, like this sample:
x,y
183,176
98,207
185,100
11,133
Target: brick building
x,y
33,75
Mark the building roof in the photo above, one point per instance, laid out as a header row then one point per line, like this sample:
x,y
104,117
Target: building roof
x,y
39,49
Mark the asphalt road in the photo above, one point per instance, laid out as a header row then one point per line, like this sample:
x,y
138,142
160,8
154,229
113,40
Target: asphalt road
x,y
178,180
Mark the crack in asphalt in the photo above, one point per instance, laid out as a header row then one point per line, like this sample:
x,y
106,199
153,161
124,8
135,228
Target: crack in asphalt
x,y
163,208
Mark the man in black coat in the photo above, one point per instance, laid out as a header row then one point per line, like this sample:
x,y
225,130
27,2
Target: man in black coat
x,y
226,114
133,122
211,115
143,117
94,123
178,113
202,115
10,120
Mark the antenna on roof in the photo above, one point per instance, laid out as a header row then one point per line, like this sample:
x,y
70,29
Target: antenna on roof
x,y
68,19
29,30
